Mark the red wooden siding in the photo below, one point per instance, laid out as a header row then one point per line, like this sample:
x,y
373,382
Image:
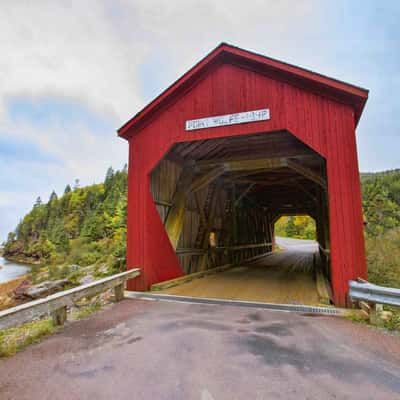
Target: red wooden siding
x,y
325,125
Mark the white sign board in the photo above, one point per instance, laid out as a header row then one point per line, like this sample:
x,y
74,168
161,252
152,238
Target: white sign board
x,y
229,119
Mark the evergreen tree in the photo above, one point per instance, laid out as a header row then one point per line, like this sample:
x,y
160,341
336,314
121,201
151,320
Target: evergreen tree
x,y
76,184
52,197
109,180
109,174
67,189
291,228
38,202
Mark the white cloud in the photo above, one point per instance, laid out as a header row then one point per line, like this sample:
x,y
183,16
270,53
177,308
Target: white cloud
x,y
91,51
50,48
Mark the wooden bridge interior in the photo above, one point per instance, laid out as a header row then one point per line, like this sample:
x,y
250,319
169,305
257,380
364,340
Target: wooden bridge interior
x,y
220,198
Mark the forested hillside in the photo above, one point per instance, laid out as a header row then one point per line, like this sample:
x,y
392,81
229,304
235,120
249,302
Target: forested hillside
x,y
381,204
84,226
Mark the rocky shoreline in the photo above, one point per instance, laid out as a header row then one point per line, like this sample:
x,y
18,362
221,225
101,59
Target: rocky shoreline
x,y
21,259
47,280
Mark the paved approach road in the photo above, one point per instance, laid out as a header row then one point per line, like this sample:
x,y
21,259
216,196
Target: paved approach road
x,y
140,349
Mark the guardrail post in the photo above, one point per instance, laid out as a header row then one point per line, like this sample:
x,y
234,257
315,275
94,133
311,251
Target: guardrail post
x,y
375,314
119,292
375,297
59,316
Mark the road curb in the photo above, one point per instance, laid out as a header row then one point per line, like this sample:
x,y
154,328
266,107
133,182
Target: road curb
x,y
299,308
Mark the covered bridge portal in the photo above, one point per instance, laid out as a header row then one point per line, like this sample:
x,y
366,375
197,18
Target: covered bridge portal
x,y
235,143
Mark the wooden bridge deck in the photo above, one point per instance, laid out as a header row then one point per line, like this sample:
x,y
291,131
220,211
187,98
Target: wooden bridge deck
x,y
285,277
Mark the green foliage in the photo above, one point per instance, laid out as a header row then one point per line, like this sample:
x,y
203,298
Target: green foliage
x,y
299,227
67,189
381,204
84,226
393,324
381,201
15,339
383,258
87,310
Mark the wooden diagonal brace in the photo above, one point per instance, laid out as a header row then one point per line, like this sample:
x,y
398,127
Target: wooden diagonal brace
x,y
174,221
306,172
244,193
205,179
187,183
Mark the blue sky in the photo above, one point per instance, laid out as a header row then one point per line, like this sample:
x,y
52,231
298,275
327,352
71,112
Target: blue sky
x,y
72,72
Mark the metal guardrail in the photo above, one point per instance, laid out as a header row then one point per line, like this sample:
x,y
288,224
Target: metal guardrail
x,y
365,291
56,304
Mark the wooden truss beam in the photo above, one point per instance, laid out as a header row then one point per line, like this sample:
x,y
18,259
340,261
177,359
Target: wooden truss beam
x,y
244,193
302,155
262,164
290,182
306,172
257,164
206,178
202,263
187,183
306,191
174,221
200,209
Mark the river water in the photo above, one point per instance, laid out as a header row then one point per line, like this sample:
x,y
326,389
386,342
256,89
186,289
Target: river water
x,y
10,270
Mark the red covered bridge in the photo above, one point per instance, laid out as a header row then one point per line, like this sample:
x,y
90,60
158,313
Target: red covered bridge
x,y
238,141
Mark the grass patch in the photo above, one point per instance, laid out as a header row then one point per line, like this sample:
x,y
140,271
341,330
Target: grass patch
x,y
87,310
16,339
394,323
356,317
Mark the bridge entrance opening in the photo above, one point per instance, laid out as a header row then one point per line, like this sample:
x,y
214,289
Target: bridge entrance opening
x,y
219,201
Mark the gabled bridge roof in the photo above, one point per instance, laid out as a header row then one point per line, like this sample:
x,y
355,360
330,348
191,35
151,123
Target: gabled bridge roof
x,y
322,85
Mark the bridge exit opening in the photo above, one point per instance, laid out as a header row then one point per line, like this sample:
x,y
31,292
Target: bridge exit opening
x,y
219,199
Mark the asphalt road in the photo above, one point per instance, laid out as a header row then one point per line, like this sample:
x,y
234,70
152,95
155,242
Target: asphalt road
x,y
140,349
300,245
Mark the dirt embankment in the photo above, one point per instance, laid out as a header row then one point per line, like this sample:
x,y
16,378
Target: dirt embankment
x,y
6,292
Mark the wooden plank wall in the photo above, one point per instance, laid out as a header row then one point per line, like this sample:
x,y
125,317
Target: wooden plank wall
x,y
162,192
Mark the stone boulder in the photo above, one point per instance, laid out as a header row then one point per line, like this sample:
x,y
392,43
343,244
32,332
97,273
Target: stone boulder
x,y
74,267
45,288
86,279
19,291
102,269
